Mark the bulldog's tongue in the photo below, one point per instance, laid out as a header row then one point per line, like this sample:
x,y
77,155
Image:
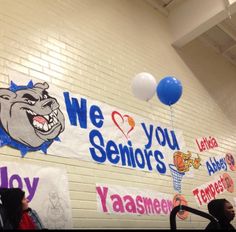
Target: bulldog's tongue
x,y
40,119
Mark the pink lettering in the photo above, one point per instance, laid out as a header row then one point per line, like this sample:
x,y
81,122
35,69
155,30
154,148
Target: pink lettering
x,y
216,187
199,147
209,191
103,196
206,144
213,192
139,203
195,193
117,203
170,205
157,207
130,205
164,206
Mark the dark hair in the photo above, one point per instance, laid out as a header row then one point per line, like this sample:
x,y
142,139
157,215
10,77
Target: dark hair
x,y
12,202
216,208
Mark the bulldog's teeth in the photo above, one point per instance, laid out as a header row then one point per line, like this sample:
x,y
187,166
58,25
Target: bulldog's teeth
x,y
55,120
30,112
45,126
40,126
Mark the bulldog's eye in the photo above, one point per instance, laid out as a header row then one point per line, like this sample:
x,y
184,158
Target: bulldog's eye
x,y
31,102
45,96
29,99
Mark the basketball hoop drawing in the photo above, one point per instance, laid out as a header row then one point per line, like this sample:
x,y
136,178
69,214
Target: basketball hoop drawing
x,y
177,177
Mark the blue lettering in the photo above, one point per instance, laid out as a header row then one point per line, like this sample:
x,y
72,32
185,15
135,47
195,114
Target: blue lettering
x,y
223,164
127,155
162,137
96,116
142,163
175,144
123,154
213,165
73,110
92,136
148,134
163,142
209,169
147,155
131,154
111,149
160,165
217,164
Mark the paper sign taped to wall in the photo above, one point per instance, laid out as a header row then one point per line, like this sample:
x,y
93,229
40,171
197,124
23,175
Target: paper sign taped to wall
x,y
58,122
45,187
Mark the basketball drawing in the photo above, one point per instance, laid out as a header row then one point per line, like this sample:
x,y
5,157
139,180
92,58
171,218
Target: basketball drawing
x,y
180,200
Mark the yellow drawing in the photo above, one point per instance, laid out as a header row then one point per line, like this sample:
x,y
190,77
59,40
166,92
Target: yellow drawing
x,y
183,161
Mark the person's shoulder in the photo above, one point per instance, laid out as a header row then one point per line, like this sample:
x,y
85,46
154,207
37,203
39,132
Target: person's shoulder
x,y
213,226
33,211
231,227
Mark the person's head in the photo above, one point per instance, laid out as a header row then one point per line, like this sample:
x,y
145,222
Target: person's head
x,y
221,209
14,202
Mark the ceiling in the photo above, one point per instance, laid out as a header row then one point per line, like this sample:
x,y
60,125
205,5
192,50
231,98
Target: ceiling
x,y
220,37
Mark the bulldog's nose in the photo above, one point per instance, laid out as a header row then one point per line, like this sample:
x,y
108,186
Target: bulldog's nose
x,y
48,103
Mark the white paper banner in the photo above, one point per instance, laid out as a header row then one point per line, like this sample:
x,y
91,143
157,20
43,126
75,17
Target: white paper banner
x,y
45,187
93,131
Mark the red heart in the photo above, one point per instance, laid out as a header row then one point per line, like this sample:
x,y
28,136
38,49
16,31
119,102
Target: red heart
x,y
115,113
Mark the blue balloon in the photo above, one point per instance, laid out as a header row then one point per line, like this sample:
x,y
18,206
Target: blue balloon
x,y
169,90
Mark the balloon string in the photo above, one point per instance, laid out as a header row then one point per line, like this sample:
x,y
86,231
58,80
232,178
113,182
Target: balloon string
x,y
151,113
228,9
171,116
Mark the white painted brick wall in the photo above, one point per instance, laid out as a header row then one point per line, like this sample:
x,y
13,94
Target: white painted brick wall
x,y
95,48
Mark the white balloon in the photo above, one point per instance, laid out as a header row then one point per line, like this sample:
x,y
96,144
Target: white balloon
x,y
144,86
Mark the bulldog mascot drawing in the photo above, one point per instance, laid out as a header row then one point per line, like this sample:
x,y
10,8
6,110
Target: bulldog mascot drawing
x,y
30,119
